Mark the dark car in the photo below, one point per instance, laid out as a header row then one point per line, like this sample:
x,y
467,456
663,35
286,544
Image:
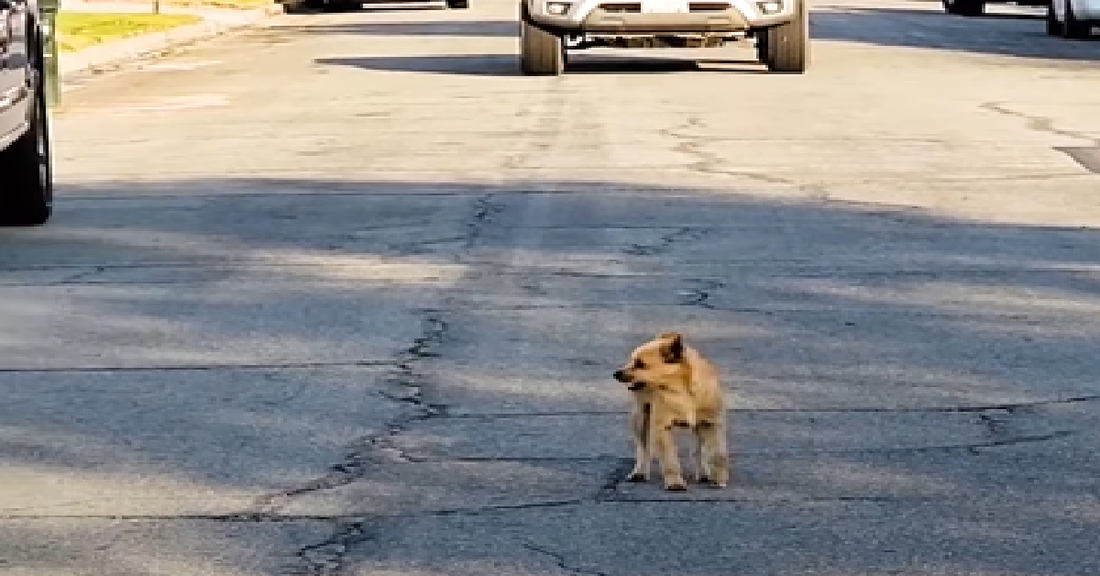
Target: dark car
x,y
977,7
26,180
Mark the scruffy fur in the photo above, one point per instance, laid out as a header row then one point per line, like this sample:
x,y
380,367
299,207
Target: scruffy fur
x,y
673,386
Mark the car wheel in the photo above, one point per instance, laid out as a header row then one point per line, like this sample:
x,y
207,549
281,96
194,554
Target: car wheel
x,y
541,53
787,46
27,196
1073,28
458,4
964,7
1054,27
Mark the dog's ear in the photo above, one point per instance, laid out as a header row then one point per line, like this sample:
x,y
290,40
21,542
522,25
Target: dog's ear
x,y
672,349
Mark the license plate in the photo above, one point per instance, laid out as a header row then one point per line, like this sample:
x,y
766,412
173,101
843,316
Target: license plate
x,y
665,6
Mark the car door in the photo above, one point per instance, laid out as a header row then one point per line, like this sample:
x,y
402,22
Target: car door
x,y
13,58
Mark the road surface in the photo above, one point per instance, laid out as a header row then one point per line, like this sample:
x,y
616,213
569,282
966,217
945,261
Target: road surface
x,y
343,296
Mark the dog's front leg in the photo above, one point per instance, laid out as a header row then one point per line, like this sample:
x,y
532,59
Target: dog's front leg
x,y
639,425
665,444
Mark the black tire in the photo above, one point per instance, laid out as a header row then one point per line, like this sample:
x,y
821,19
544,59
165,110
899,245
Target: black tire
x,y
762,48
297,7
964,7
1054,27
458,4
541,53
341,6
25,166
787,46
1073,28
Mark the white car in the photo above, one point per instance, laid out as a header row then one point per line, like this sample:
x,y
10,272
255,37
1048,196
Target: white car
x,y
550,29
1072,18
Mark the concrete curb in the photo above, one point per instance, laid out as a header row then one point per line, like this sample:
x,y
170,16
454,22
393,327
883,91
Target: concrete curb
x,y
109,54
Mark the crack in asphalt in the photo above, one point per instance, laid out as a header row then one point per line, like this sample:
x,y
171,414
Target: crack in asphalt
x,y
615,477
711,163
485,208
1037,123
706,162
1086,157
667,241
997,424
559,559
359,453
700,296
327,558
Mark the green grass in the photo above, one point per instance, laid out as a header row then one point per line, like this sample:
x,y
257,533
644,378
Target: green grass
x,y
78,30
231,4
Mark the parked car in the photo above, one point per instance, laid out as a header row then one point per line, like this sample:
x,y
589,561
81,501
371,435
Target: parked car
x,y
550,28
26,179
1072,18
977,7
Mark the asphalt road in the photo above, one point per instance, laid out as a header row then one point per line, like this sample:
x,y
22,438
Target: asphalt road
x,y
343,295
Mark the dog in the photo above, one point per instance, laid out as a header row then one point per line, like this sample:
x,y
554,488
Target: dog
x,y
674,386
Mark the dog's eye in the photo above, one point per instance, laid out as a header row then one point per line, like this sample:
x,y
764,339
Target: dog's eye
x,y
639,365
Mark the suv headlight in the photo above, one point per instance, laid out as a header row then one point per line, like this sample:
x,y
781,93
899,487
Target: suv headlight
x,y
557,8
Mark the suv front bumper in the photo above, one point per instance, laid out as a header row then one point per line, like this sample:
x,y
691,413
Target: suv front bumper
x,y
631,16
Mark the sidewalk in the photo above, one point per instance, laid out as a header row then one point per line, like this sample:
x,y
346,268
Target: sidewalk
x,y
215,21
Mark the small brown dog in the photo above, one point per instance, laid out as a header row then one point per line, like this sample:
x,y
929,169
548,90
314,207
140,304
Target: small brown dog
x,y
673,386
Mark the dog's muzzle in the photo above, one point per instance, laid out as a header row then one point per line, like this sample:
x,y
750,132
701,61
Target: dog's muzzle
x,y
621,376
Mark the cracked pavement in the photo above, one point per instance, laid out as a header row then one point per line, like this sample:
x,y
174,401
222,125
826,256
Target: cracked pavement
x,y
342,296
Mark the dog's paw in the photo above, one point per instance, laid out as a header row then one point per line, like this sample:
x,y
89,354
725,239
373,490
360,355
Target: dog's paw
x,y
636,477
676,487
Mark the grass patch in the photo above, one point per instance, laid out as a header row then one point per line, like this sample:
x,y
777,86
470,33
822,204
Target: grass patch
x,y
79,30
229,4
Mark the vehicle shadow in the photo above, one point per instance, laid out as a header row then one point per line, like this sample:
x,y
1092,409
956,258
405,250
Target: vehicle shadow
x,y
457,28
1001,34
579,63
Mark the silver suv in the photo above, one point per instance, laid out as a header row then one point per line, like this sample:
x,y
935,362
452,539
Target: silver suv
x,y
550,28
26,184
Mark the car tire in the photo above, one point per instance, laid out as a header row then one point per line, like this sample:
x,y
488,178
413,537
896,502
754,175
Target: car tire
x,y
458,4
787,46
964,7
1054,27
27,196
541,53
341,6
762,53
1073,28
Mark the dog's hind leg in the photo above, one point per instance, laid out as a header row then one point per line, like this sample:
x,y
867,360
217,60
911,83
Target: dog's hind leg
x,y
639,425
714,461
702,457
